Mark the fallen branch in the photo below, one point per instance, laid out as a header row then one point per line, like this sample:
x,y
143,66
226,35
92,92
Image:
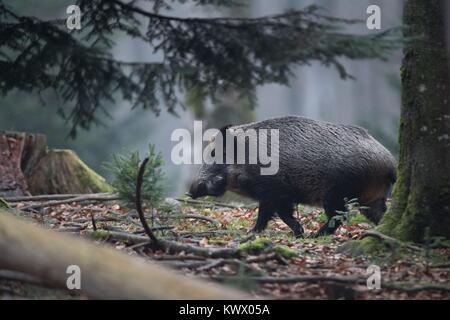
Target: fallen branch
x,y
3,203
156,228
173,246
105,272
87,197
117,235
312,278
194,216
183,264
211,265
48,197
440,265
201,233
220,262
267,257
22,277
410,287
178,258
214,204
383,237
351,280
166,245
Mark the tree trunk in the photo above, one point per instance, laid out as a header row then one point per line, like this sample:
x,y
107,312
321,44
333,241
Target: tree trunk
x,y
421,197
28,166
19,152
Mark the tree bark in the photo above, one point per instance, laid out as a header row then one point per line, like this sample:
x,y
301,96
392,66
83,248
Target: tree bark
x,y
421,197
28,166
19,152
105,273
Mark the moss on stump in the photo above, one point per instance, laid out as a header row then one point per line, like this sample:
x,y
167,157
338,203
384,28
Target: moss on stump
x,y
62,171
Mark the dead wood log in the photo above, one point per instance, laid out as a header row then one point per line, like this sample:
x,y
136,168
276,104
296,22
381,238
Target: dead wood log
x,y
105,273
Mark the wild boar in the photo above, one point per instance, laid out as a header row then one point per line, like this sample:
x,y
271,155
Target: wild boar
x,y
320,164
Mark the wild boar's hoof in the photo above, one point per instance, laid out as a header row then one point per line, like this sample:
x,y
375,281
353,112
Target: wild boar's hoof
x,y
325,230
255,230
299,235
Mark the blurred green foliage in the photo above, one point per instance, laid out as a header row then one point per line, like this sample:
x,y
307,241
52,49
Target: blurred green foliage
x,y
125,168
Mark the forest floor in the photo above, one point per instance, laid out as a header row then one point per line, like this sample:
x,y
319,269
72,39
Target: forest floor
x,y
273,264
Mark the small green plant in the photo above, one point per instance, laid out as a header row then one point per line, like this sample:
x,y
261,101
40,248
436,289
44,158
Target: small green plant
x,y
359,218
352,208
124,169
322,217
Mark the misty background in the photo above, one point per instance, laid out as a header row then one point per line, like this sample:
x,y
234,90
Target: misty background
x,y
372,100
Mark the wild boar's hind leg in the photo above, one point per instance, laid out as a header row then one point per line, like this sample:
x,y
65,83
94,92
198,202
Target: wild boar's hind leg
x,y
286,213
265,213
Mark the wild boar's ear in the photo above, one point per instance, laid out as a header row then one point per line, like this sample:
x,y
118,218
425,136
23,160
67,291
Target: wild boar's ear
x,y
224,129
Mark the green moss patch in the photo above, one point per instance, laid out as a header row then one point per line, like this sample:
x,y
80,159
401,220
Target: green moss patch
x,y
285,251
4,204
255,246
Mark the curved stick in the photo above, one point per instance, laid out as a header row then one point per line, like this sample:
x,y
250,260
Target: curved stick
x,y
139,210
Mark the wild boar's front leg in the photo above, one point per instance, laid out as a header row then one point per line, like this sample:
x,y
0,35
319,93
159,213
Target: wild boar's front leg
x,y
286,213
265,213
334,201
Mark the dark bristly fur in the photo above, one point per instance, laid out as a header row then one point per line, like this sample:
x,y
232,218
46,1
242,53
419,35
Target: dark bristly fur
x,y
320,164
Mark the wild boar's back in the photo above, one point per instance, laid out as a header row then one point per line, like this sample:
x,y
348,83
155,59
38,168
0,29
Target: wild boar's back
x,y
315,156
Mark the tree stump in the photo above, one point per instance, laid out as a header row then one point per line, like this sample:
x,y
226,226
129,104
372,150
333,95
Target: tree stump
x,y
28,166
